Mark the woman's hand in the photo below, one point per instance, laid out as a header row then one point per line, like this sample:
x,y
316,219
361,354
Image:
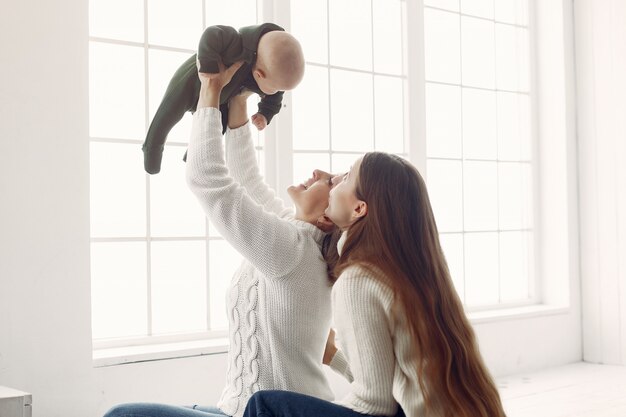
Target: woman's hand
x,y
331,349
211,84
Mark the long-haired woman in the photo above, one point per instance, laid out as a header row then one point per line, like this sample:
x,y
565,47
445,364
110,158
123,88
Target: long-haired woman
x,y
404,335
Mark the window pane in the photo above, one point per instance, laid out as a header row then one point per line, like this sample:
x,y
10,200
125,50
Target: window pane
x,y
512,11
443,4
161,68
515,195
445,188
174,210
118,289
478,52
515,265
387,36
452,245
482,8
342,162
176,24
212,230
223,262
443,121
481,269
116,19
310,111
352,111
479,124
389,107
442,46
116,91
118,190
178,286
305,163
235,13
480,195
512,58
350,34
309,24
514,139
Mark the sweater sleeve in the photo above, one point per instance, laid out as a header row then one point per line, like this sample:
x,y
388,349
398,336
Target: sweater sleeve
x,y
339,363
361,305
273,245
243,166
269,106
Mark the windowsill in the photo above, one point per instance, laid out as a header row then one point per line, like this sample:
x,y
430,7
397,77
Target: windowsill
x,y
535,310
155,352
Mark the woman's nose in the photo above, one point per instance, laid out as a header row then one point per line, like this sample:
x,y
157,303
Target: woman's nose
x,y
318,173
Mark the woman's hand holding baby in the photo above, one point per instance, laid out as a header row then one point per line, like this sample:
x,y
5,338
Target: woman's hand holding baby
x,y
211,84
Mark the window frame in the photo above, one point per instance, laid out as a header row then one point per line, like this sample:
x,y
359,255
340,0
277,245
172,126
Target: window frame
x,y
552,294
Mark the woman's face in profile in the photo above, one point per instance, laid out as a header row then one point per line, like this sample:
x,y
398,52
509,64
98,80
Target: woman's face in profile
x,y
343,201
311,197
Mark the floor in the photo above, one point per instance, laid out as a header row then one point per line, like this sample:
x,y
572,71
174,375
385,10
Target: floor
x,y
576,390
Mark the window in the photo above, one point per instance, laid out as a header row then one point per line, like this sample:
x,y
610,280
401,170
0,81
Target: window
x,y
478,134
159,268
479,145
352,98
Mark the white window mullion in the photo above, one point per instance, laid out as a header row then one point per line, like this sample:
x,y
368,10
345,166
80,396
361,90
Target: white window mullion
x,y
148,231
273,163
414,68
535,284
283,122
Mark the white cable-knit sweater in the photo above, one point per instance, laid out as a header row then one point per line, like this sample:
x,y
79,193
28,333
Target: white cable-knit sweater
x,y
375,353
279,299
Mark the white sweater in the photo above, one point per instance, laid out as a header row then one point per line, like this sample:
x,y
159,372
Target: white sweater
x,y
375,353
279,299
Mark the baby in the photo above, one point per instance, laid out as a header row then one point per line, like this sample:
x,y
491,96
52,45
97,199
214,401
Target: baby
x,y
273,64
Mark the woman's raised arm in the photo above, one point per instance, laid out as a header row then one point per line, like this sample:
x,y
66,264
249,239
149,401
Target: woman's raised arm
x,y
273,245
241,158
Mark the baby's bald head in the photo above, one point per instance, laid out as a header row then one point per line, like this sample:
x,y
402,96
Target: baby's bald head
x,y
280,62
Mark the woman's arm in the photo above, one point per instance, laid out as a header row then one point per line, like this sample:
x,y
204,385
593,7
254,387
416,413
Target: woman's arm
x,y
242,161
271,244
360,307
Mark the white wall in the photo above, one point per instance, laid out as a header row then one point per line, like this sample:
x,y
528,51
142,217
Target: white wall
x,y
45,341
601,88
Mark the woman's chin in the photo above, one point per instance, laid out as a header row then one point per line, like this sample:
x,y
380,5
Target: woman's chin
x,y
295,189
292,191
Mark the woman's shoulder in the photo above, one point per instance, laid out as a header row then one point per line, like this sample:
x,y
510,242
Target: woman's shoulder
x,y
364,279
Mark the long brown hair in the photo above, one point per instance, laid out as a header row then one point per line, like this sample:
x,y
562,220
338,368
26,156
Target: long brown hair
x,y
400,238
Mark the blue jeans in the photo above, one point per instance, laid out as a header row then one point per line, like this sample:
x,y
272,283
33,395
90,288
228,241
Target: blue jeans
x,y
292,404
162,410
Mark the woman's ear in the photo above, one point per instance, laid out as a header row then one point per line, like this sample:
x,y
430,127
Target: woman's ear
x,y
325,224
360,210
